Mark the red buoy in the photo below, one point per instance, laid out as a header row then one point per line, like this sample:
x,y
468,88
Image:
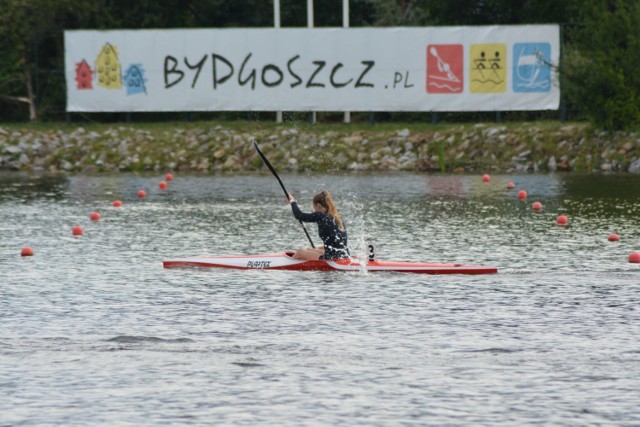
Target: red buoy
x,y
117,203
634,257
522,194
562,220
613,237
162,185
169,177
486,178
142,194
26,251
536,206
511,185
95,216
77,230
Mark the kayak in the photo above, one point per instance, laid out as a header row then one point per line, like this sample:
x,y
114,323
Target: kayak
x,y
285,261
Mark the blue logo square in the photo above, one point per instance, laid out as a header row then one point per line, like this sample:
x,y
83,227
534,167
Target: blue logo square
x,y
532,67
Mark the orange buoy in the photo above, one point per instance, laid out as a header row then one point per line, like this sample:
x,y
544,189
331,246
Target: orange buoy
x,y
562,220
522,194
142,194
536,206
510,185
117,203
613,237
77,230
26,251
95,216
169,177
634,257
486,178
162,185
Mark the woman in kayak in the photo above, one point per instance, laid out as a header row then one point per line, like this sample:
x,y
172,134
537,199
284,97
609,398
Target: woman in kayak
x,y
331,229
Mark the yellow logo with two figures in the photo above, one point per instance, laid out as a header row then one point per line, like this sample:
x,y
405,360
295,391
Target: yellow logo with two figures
x,y
488,64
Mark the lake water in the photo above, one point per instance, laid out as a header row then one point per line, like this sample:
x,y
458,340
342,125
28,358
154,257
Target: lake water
x,y
93,330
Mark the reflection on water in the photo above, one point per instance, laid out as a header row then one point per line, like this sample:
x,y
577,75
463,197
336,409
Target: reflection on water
x,y
25,187
94,331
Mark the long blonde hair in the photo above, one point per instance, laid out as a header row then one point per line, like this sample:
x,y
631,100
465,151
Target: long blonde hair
x,y
324,199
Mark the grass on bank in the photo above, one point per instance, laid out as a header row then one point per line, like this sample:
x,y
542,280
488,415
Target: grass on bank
x,y
302,125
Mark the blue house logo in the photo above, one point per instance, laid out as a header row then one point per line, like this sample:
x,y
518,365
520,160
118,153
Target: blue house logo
x,y
134,79
532,67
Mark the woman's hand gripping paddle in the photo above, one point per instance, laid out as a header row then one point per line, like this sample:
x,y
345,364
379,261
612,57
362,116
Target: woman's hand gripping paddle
x,y
286,194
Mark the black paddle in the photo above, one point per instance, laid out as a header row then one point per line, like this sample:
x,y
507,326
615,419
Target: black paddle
x,y
286,194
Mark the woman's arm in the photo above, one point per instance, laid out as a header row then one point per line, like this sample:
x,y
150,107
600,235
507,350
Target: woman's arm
x,y
305,217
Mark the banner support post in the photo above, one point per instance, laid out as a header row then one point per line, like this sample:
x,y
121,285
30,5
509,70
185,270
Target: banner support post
x,y
276,24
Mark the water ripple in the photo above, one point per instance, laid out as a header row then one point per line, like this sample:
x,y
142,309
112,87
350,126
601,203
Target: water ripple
x,y
93,331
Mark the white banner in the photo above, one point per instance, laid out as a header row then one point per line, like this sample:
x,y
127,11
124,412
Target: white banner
x,y
492,68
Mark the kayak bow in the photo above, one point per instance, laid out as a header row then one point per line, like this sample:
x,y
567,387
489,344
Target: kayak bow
x,y
285,261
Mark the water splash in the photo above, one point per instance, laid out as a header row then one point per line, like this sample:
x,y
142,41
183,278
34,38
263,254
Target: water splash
x,y
358,245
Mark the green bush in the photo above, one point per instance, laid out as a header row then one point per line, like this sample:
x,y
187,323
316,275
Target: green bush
x,y
601,63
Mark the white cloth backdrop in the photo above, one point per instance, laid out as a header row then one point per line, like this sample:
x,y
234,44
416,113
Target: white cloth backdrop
x,y
488,68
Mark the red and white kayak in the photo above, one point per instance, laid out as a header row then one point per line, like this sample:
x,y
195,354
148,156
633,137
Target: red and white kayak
x,y
285,261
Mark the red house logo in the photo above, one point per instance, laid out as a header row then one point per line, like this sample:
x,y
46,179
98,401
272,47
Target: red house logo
x,y
445,68
84,75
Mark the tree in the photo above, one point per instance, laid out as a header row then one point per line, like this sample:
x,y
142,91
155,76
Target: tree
x,y
600,70
18,20
502,12
22,24
399,12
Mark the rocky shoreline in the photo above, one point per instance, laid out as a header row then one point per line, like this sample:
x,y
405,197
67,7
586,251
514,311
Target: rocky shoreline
x,y
227,147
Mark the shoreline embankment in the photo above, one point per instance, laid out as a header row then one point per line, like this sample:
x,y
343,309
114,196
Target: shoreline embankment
x,y
219,147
